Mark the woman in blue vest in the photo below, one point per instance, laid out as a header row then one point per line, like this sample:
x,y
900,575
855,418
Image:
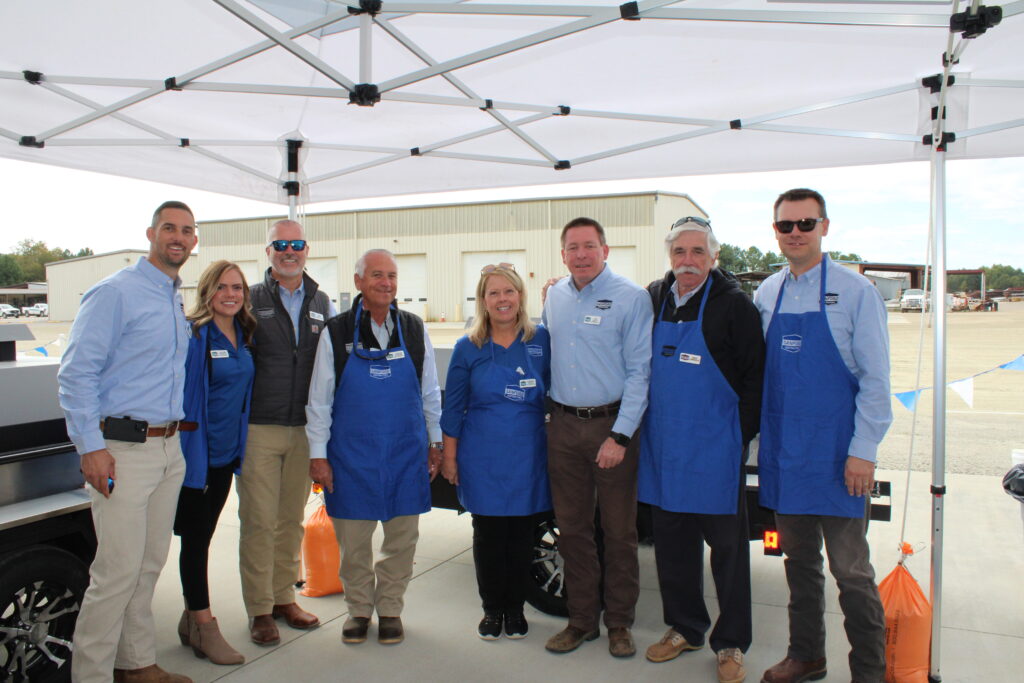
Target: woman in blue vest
x,y
218,387
495,448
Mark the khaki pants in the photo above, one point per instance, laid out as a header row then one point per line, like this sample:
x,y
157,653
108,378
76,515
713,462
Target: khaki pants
x,y
133,529
381,585
272,494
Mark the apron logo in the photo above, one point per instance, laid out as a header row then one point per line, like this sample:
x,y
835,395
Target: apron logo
x,y
831,298
603,304
514,393
792,343
691,358
535,350
380,371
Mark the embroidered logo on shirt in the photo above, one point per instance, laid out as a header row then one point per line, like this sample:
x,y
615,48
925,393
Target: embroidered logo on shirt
x,y
603,304
792,343
265,312
514,393
380,371
535,350
831,298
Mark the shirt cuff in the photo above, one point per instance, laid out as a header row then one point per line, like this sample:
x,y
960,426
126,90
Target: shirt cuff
x,y
863,449
89,442
624,426
434,433
317,451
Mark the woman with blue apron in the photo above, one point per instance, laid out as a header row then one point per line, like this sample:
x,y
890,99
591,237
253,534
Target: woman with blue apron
x,y
495,443
690,466
806,416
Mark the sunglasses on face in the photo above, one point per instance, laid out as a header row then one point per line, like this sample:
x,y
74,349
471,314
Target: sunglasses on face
x,y
496,266
282,245
805,225
692,219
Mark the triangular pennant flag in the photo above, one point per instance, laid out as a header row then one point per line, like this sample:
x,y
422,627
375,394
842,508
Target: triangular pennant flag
x,y
964,389
42,350
908,398
59,341
1015,364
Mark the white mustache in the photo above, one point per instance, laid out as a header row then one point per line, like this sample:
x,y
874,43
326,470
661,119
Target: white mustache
x,y
686,269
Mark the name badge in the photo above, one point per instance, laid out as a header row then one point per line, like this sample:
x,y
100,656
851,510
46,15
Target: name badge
x,y
514,393
380,371
535,350
527,383
218,353
691,358
316,316
591,320
395,355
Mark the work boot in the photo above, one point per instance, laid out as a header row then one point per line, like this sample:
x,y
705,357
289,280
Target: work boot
x,y
793,671
263,631
671,645
569,638
620,642
355,629
390,631
730,666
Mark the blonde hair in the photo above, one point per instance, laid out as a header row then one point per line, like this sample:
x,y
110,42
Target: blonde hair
x,y
202,311
481,329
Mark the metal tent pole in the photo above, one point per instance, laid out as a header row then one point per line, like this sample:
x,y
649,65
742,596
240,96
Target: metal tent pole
x,y
292,186
938,488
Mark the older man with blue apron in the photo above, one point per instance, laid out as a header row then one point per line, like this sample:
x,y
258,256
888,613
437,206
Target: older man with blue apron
x,y
826,408
374,405
704,407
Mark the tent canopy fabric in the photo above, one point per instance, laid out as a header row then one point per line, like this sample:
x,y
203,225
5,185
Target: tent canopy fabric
x,y
206,93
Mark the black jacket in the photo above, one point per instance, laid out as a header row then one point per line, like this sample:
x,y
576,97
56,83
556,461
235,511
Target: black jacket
x,y
343,326
284,368
732,332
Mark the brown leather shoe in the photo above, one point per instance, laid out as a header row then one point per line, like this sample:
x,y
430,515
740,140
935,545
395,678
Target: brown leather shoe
x,y
793,671
620,642
148,674
263,630
569,638
295,616
354,630
390,631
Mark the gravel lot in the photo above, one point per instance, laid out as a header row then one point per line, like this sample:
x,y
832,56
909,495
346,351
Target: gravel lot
x,y
978,439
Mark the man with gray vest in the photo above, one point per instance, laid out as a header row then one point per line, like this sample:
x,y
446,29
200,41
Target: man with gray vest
x,y
274,484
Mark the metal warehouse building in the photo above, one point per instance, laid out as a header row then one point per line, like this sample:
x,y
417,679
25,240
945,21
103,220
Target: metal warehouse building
x,y
440,249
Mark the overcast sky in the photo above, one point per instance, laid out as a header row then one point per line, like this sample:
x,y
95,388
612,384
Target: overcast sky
x,y
878,212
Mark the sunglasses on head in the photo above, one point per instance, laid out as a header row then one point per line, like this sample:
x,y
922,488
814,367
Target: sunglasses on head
x,y
805,225
495,266
702,222
282,245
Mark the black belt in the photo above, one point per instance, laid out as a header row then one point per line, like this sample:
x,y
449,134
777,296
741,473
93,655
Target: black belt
x,y
610,410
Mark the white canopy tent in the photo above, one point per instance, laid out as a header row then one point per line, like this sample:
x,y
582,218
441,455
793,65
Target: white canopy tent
x,y
313,100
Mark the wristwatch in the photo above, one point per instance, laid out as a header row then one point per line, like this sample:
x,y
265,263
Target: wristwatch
x,y
620,439
439,445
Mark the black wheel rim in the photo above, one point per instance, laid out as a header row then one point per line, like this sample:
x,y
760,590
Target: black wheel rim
x,y
37,622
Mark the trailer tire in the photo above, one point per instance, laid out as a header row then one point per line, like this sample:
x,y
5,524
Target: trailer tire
x,y
41,589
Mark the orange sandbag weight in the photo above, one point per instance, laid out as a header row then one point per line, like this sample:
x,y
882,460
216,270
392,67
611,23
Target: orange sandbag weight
x,y
908,622
320,556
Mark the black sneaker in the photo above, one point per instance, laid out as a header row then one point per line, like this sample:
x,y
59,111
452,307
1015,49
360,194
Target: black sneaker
x,y
490,626
516,626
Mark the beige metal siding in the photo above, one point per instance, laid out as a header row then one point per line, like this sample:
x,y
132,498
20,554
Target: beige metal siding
x,y
68,280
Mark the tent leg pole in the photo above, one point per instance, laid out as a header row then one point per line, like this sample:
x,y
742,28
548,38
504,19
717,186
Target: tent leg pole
x,y
938,488
292,208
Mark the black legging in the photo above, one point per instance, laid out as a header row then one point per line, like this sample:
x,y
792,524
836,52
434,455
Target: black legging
x,y
195,521
503,554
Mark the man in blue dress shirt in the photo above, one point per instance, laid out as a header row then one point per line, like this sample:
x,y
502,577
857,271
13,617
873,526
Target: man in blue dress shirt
x,y
826,408
126,358
600,325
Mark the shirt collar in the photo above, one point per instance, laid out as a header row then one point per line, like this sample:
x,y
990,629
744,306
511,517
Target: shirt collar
x,y
811,276
597,281
681,299
154,274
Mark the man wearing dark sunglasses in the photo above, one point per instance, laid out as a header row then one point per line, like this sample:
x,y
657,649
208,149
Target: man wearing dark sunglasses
x,y
826,408
274,483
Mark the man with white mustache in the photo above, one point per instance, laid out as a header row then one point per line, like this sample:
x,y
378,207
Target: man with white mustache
x,y
704,407
274,484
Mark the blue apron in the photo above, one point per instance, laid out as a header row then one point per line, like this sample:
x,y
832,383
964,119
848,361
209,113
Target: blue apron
x,y
378,444
691,447
503,454
806,416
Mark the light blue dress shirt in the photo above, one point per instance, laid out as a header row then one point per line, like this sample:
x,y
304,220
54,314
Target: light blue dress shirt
x,y
601,345
292,302
857,320
126,354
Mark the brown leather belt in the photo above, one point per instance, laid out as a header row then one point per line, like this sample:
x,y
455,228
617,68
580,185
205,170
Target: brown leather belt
x,y
609,410
168,430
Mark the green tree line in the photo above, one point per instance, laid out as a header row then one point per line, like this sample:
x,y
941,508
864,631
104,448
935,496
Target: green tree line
x,y
27,263
996,277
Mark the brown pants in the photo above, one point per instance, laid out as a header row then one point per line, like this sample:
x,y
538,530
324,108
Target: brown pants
x,y
577,485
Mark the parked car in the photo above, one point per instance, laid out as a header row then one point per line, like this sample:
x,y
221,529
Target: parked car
x,y
39,310
9,311
913,300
